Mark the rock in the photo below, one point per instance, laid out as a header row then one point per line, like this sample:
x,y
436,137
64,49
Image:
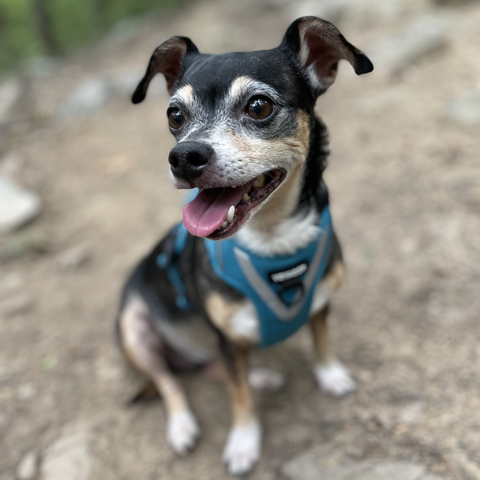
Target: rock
x,y
72,258
124,83
333,465
94,94
11,164
419,39
10,92
394,471
26,391
69,457
465,109
454,3
18,206
89,97
20,303
330,10
365,12
462,467
411,414
27,467
10,283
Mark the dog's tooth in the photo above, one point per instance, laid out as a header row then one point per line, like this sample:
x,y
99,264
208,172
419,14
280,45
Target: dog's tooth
x,y
224,224
230,214
246,197
259,181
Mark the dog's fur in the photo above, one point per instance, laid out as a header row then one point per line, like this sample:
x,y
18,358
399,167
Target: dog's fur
x,y
210,98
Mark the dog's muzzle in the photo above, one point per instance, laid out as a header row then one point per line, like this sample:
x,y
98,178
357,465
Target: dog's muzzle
x,y
188,159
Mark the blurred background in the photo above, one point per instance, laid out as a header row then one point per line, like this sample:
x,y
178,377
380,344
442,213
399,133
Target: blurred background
x,y
85,191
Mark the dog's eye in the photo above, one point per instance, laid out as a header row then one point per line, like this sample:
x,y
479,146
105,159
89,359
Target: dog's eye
x,y
259,108
175,118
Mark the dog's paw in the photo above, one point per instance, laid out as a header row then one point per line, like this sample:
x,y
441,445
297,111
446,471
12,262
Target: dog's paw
x,y
243,447
334,379
265,380
182,432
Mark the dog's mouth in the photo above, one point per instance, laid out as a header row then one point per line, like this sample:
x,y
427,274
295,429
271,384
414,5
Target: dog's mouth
x,y
217,213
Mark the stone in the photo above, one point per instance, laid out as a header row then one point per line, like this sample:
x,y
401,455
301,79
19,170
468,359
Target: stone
x,y
18,205
72,258
11,164
10,92
27,467
333,465
462,467
420,38
365,12
26,391
411,414
15,305
11,282
465,109
394,471
330,10
94,94
89,97
454,3
69,457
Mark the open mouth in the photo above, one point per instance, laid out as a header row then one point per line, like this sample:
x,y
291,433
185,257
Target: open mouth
x,y
217,213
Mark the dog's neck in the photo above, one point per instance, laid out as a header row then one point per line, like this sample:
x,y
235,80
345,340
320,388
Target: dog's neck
x,y
289,220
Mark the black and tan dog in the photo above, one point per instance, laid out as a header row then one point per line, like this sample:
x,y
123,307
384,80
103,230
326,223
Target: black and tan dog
x,y
249,140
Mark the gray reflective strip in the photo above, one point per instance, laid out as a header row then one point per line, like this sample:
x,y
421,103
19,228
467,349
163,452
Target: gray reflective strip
x,y
262,289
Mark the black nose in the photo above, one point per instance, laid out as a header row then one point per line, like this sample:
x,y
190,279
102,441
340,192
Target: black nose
x,y
188,159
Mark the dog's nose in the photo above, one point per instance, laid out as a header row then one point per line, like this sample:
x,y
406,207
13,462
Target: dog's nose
x,y
188,159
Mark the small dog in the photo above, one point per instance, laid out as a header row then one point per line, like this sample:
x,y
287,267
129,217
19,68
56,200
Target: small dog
x,y
256,256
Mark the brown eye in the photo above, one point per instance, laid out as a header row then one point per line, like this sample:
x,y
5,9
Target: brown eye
x,y
175,118
259,108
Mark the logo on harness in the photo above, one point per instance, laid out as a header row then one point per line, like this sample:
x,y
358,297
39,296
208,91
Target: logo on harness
x,y
290,274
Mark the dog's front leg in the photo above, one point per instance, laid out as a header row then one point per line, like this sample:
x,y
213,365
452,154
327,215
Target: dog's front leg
x,y
243,446
332,377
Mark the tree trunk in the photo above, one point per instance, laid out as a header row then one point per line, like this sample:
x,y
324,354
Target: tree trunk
x,y
44,27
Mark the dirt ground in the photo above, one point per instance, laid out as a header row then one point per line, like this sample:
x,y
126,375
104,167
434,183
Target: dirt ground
x,y
405,189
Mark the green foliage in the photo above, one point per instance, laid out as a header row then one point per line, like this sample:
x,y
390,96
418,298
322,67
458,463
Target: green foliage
x,y
65,26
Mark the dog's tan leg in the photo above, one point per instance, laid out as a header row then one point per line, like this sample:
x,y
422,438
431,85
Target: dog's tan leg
x,y
143,347
243,446
332,377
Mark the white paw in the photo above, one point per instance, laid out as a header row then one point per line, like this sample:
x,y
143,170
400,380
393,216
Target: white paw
x,y
334,379
182,432
265,380
243,447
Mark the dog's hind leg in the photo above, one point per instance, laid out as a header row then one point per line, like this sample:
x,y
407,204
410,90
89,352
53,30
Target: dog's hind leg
x,y
143,347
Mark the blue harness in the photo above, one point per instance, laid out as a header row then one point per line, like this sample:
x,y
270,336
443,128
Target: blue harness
x,y
280,287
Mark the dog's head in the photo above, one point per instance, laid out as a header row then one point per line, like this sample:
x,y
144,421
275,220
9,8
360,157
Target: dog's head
x,y
242,120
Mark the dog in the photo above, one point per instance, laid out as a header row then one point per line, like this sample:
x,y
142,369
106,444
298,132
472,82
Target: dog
x,y
256,256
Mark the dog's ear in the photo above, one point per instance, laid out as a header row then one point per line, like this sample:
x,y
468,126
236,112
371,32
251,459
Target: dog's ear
x,y
318,46
166,59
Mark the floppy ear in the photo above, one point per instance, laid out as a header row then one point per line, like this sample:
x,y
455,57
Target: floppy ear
x,y
318,46
166,59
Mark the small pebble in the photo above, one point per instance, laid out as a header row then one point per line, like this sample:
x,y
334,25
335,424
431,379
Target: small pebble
x,y
72,258
27,467
16,305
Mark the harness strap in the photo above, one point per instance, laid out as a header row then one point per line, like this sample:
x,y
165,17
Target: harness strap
x,y
168,262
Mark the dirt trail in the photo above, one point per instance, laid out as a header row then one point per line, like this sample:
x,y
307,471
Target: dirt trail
x,y
405,190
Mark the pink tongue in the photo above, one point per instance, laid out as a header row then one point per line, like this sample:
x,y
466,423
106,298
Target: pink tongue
x,y
203,215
